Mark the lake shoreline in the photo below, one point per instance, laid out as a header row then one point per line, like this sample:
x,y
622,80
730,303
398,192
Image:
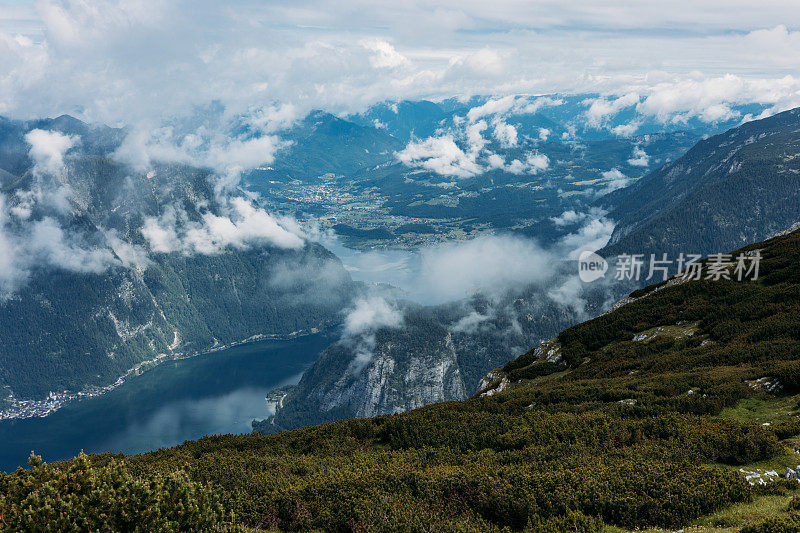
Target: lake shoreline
x,y
213,394
24,409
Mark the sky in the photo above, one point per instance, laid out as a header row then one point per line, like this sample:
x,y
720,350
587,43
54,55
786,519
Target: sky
x,y
144,61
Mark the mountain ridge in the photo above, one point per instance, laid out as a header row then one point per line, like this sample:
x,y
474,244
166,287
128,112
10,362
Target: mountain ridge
x,y
717,196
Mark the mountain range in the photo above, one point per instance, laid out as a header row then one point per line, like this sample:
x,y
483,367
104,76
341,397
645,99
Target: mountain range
x,y
135,303
730,189
459,169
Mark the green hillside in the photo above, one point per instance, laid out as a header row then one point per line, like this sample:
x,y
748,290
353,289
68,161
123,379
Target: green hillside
x,y
650,415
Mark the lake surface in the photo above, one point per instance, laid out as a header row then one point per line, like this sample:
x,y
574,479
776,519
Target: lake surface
x,y
216,393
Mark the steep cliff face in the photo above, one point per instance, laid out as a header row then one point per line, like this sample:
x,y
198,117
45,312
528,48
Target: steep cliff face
x,y
394,380
439,353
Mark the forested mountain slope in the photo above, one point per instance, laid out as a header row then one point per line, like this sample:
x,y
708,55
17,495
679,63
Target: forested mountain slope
x,y
736,187
664,412
108,266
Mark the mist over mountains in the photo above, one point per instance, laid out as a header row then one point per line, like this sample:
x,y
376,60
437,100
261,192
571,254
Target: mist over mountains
x,y
207,232
106,267
528,308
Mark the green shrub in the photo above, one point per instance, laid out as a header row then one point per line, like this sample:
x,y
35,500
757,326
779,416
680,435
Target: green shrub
x,y
79,496
777,524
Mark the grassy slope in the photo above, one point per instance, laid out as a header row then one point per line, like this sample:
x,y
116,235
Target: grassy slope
x,y
610,432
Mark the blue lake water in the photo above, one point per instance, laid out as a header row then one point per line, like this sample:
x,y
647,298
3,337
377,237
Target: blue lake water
x,y
216,393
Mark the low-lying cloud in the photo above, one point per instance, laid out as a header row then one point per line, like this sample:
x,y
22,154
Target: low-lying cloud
x,y
456,270
241,226
47,149
440,155
39,228
371,313
29,244
368,315
639,158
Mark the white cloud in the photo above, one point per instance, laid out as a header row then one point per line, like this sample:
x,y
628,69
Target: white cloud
x,y
511,105
227,155
544,133
371,313
537,162
492,106
518,167
592,236
241,226
50,245
615,179
506,134
486,63
385,55
475,139
568,294
496,161
161,233
470,323
122,61
443,156
48,149
130,255
718,112
626,130
639,158
452,271
43,243
526,106
440,155
368,315
709,99
602,108
568,218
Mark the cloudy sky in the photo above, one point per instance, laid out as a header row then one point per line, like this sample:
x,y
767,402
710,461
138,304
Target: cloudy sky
x,y
134,60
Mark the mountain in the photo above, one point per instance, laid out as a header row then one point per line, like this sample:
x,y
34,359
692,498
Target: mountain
x,y
736,187
438,353
322,144
347,172
558,113
91,294
406,119
676,409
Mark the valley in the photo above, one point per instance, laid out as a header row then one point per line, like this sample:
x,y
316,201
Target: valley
x,y
371,200
419,267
